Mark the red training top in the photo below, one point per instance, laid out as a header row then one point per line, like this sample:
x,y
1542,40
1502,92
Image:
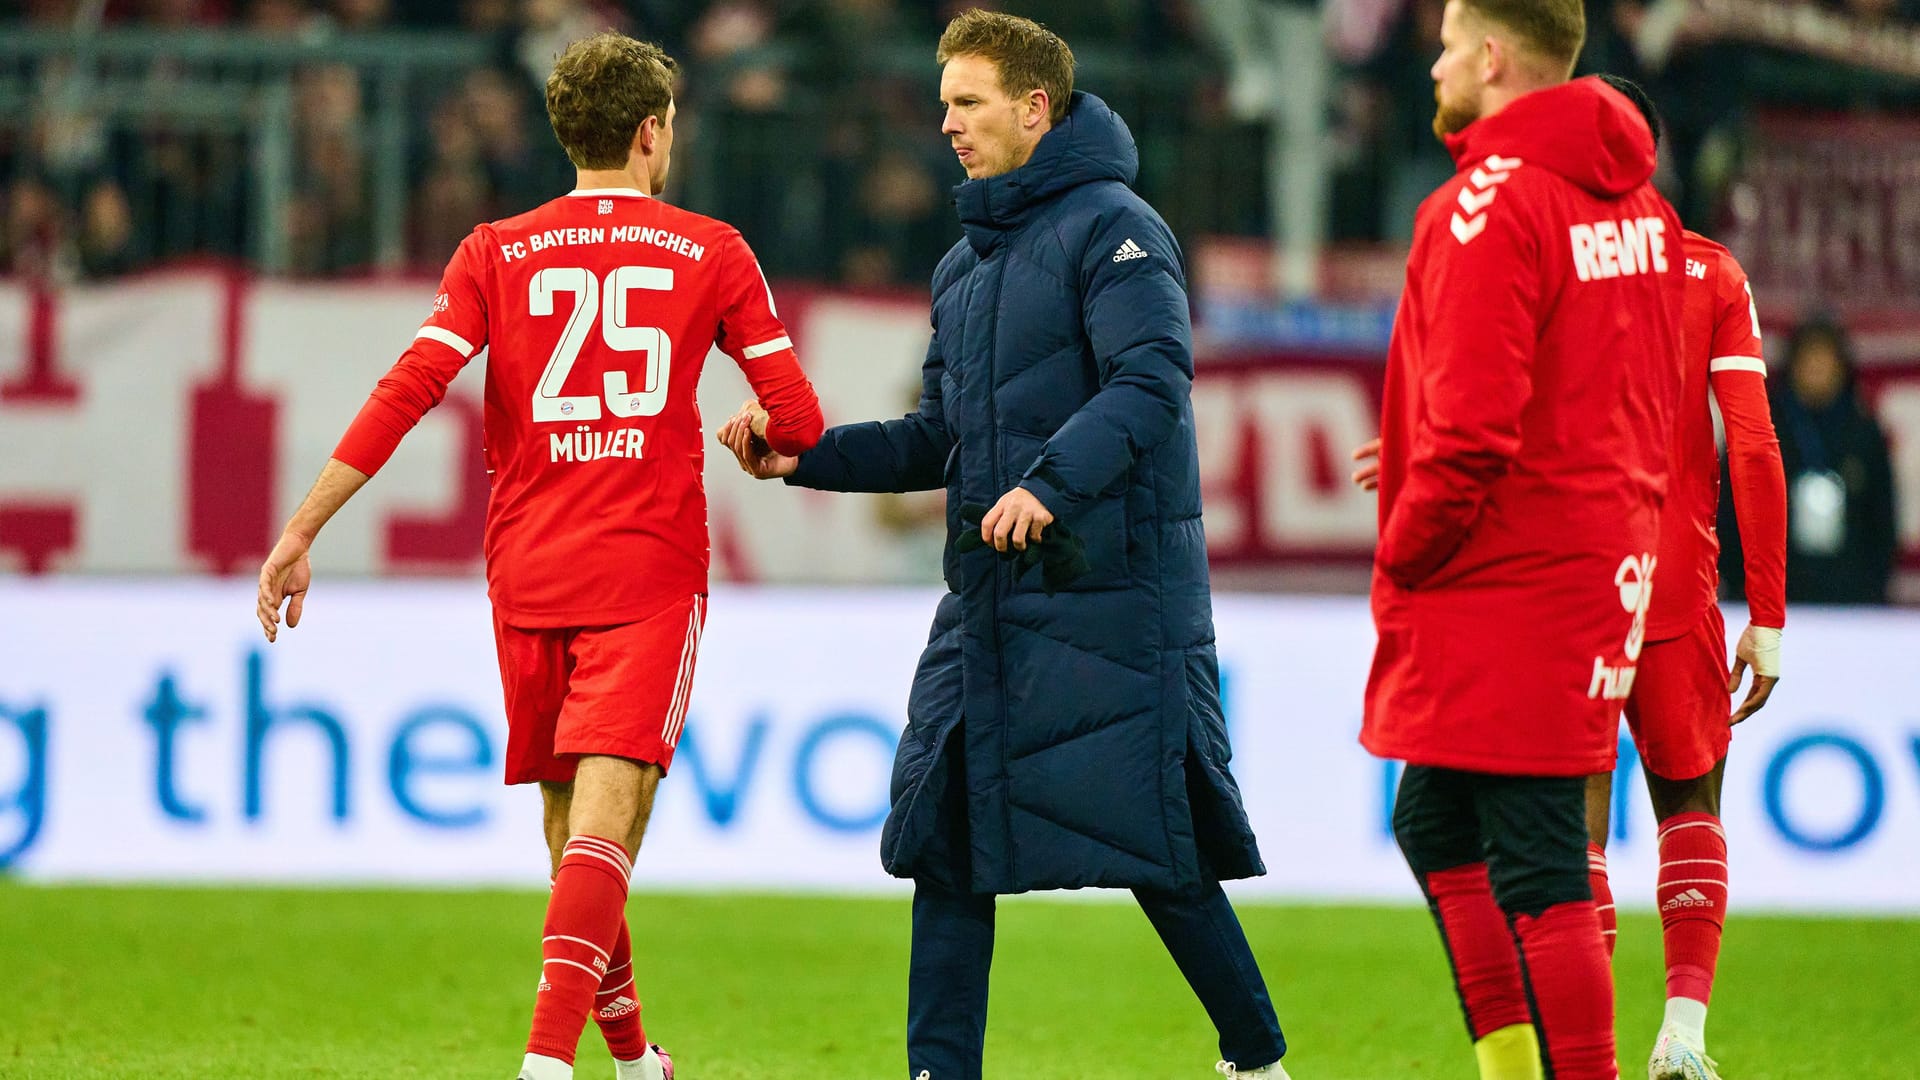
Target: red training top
x,y
598,310
1530,394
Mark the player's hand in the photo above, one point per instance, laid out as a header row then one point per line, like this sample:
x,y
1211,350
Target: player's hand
x,y
1017,518
745,434
284,577
754,416
1759,648
1367,474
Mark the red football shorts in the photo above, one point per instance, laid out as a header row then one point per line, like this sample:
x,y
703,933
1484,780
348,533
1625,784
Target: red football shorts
x,y
615,690
1680,708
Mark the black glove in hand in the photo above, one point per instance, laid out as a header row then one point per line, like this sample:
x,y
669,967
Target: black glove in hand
x,y
1061,556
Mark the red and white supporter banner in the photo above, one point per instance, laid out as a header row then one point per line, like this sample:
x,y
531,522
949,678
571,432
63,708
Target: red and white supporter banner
x,y
170,424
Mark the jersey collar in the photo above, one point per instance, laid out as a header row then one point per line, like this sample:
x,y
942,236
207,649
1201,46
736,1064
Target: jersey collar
x,y
627,191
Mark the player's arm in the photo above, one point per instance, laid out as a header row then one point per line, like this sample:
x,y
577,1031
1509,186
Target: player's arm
x,y
286,575
1758,483
416,383
1759,489
1135,314
1476,376
905,454
751,333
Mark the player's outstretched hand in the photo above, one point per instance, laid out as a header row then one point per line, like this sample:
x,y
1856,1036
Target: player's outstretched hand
x,y
1018,517
285,576
745,435
1759,648
1367,474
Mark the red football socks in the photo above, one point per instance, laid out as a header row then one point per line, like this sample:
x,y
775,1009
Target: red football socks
x,y
584,916
616,1005
1572,985
1485,966
1692,895
1602,894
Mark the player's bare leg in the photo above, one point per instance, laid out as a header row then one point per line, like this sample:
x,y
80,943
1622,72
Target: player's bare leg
x,y
1700,795
609,798
1599,820
1693,904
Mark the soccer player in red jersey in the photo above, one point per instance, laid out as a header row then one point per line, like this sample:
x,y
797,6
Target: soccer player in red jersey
x,y
598,310
1678,711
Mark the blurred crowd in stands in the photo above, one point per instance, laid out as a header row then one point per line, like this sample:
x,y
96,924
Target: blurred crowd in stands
x,y
814,127
1710,64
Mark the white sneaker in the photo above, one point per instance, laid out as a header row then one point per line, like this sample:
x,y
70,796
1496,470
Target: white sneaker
x,y
1269,1072
1674,1059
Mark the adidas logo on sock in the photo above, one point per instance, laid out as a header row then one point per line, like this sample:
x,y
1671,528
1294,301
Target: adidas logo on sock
x,y
618,1008
1690,898
1129,250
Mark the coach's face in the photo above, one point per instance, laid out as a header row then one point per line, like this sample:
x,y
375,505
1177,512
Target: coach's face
x,y
1457,82
992,132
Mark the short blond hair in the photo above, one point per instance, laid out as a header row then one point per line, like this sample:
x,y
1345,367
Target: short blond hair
x,y
1027,55
601,89
1556,30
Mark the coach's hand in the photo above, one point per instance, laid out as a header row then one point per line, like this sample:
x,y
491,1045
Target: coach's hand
x,y
1017,518
285,576
745,434
1367,475
1759,648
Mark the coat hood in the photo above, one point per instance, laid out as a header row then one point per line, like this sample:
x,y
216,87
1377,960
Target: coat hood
x,y
1583,131
1092,143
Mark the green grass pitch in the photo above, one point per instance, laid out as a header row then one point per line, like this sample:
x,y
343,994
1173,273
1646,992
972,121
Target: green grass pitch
x,y
269,983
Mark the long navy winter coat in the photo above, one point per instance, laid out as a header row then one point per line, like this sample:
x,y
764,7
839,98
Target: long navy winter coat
x,y
1095,750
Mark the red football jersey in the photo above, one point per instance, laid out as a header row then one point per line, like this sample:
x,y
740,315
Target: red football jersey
x,y
1720,349
598,310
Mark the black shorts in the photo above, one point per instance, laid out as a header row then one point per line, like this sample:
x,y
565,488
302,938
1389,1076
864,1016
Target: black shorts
x,y
1531,831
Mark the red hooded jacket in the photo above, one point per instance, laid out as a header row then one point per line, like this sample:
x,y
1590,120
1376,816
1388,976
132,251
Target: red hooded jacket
x,y
1530,395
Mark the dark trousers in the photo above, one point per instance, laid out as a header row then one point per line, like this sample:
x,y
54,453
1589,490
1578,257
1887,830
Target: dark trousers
x,y
953,950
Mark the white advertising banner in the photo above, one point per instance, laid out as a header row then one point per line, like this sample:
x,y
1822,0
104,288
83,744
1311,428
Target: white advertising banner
x,y
148,732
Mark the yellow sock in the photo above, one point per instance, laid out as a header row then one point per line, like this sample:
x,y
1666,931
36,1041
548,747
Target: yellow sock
x,y
1512,1053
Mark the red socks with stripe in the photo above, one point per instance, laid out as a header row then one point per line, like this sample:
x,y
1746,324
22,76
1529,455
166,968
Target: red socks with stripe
x,y
1602,894
584,919
1692,895
1485,967
616,1006
1572,987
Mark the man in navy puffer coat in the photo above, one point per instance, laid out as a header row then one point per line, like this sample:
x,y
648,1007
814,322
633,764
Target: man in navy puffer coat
x,y
1073,739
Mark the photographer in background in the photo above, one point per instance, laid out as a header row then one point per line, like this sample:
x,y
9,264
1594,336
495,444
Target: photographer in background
x,y
1840,499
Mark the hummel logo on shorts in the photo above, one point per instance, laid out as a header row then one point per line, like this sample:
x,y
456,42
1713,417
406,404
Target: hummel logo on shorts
x,y
1129,250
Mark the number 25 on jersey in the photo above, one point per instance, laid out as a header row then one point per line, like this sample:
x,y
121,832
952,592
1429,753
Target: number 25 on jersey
x,y
618,334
